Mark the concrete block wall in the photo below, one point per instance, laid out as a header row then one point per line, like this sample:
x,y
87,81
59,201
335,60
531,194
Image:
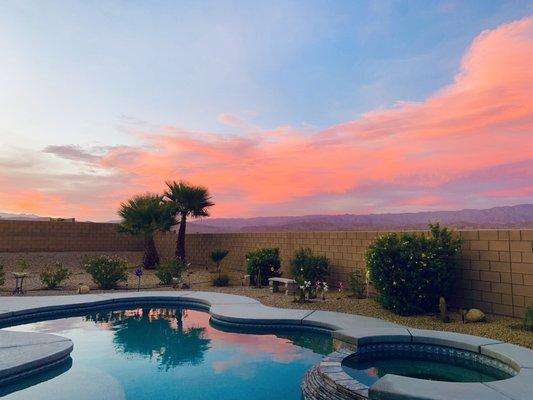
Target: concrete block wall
x,y
496,271
495,266
54,236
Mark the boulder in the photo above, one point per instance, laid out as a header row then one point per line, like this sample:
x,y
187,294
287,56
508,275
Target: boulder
x,y
475,315
83,289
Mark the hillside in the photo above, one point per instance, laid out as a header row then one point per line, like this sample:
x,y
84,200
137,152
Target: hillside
x,y
519,216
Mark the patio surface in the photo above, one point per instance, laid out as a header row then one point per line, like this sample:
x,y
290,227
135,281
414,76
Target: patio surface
x,y
240,311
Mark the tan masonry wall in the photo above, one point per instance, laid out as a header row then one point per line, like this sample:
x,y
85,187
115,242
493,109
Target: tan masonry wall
x,y
496,266
53,236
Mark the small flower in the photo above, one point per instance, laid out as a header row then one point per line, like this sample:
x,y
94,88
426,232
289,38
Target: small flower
x,y
139,272
341,286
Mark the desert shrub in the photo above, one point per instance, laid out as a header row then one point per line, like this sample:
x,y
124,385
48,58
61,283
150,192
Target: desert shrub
x,y
217,256
2,276
22,265
169,271
412,271
106,271
52,277
308,267
357,284
528,320
263,262
222,280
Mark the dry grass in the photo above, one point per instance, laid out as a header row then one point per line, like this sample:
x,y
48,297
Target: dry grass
x,y
496,327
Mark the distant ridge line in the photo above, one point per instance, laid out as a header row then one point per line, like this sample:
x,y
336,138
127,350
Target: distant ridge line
x,y
517,216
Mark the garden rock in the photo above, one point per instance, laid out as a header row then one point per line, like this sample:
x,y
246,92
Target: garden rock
x,y
475,315
83,289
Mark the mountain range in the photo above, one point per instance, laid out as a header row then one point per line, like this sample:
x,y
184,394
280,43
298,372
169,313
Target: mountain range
x,y
518,216
22,217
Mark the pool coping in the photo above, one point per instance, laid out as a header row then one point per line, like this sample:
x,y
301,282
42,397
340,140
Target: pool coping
x,y
240,311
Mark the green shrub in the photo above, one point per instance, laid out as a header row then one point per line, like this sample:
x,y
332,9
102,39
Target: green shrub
x,y
2,276
263,262
222,280
169,271
357,284
528,320
52,277
22,265
106,271
308,267
411,271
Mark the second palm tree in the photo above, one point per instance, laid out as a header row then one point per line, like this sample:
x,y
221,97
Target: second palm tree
x,y
185,201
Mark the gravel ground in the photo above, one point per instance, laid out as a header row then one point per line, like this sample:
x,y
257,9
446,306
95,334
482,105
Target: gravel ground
x,y
496,327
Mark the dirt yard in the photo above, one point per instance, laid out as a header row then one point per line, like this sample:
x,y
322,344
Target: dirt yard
x,y
496,327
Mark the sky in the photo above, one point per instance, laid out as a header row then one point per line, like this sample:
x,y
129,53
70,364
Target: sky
x,y
279,107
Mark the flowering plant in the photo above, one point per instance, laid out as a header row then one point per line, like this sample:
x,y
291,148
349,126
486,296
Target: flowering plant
x,y
305,289
325,289
309,267
411,271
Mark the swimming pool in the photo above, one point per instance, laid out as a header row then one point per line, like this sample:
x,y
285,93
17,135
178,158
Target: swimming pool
x,y
170,353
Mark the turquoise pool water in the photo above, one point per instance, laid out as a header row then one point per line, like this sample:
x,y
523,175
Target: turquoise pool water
x,y
170,353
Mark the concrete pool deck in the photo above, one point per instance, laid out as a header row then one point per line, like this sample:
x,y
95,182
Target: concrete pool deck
x,y
24,353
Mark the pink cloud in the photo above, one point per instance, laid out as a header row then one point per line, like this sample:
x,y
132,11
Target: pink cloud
x,y
414,154
236,122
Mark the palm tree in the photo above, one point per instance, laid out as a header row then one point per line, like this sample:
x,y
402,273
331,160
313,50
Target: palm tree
x,y
186,201
217,256
144,215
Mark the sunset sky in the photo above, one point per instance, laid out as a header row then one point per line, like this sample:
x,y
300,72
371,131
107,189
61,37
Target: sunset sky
x,y
278,107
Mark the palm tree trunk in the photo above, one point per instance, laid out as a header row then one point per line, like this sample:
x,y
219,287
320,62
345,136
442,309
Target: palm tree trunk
x,y
180,244
151,258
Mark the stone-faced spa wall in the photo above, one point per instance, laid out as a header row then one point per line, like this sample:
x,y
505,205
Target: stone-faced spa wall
x,y
496,266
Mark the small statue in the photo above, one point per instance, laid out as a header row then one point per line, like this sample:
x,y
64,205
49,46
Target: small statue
x,y
443,310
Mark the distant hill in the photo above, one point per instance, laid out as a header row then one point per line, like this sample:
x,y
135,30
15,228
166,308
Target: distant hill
x,y
23,217
519,216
